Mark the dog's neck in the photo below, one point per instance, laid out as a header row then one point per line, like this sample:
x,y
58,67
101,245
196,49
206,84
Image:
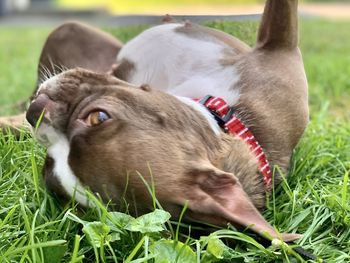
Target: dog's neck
x,y
203,111
243,165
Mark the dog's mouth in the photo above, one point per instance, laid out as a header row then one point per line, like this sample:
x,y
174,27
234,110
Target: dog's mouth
x,y
38,115
39,110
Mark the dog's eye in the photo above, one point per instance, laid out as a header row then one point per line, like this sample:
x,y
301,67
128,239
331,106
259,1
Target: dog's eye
x,y
96,118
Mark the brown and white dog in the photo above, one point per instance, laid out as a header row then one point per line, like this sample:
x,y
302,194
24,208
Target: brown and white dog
x,y
106,134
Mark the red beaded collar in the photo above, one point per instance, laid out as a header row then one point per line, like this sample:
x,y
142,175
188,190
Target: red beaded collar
x,y
224,115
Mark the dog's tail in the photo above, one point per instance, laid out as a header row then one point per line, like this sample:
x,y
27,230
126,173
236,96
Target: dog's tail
x,y
279,25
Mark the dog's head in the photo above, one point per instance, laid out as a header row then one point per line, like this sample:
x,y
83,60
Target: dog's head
x,y
116,138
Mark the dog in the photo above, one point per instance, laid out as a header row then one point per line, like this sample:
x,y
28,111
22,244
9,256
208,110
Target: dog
x,y
149,121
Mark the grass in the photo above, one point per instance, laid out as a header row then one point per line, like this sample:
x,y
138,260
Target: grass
x,y
18,59
314,200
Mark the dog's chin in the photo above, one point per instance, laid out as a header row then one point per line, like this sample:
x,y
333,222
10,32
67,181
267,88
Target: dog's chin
x,y
47,135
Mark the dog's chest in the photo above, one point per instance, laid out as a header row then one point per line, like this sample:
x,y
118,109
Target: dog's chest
x,y
59,152
180,64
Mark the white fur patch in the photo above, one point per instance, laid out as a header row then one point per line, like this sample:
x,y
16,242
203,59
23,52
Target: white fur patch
x,y
181,65
58,149
199,107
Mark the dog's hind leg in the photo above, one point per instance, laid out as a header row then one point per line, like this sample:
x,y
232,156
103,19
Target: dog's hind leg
x,y
279,25
274,85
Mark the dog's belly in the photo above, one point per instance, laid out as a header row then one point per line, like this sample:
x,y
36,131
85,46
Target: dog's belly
x,y
180,64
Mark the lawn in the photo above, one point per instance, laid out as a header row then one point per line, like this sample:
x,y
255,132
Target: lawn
x,y
314,200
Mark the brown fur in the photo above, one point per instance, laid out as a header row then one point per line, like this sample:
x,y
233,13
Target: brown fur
x,y
145,136
123,70
274,96
172,146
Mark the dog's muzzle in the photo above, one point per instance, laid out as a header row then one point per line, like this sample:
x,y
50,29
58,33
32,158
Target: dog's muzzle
x,y
39,109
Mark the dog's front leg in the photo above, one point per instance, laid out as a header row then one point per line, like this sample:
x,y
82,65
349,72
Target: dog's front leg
x,y
13,123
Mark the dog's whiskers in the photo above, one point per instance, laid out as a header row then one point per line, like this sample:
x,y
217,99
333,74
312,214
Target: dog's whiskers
x,y
46,73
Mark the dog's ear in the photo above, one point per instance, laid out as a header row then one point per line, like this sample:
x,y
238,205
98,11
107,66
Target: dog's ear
x,y
218,194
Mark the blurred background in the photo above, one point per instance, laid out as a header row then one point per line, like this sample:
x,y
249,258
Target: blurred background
x,y
330,8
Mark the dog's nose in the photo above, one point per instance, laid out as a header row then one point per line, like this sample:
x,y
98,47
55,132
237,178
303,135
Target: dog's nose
x,y
36,109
